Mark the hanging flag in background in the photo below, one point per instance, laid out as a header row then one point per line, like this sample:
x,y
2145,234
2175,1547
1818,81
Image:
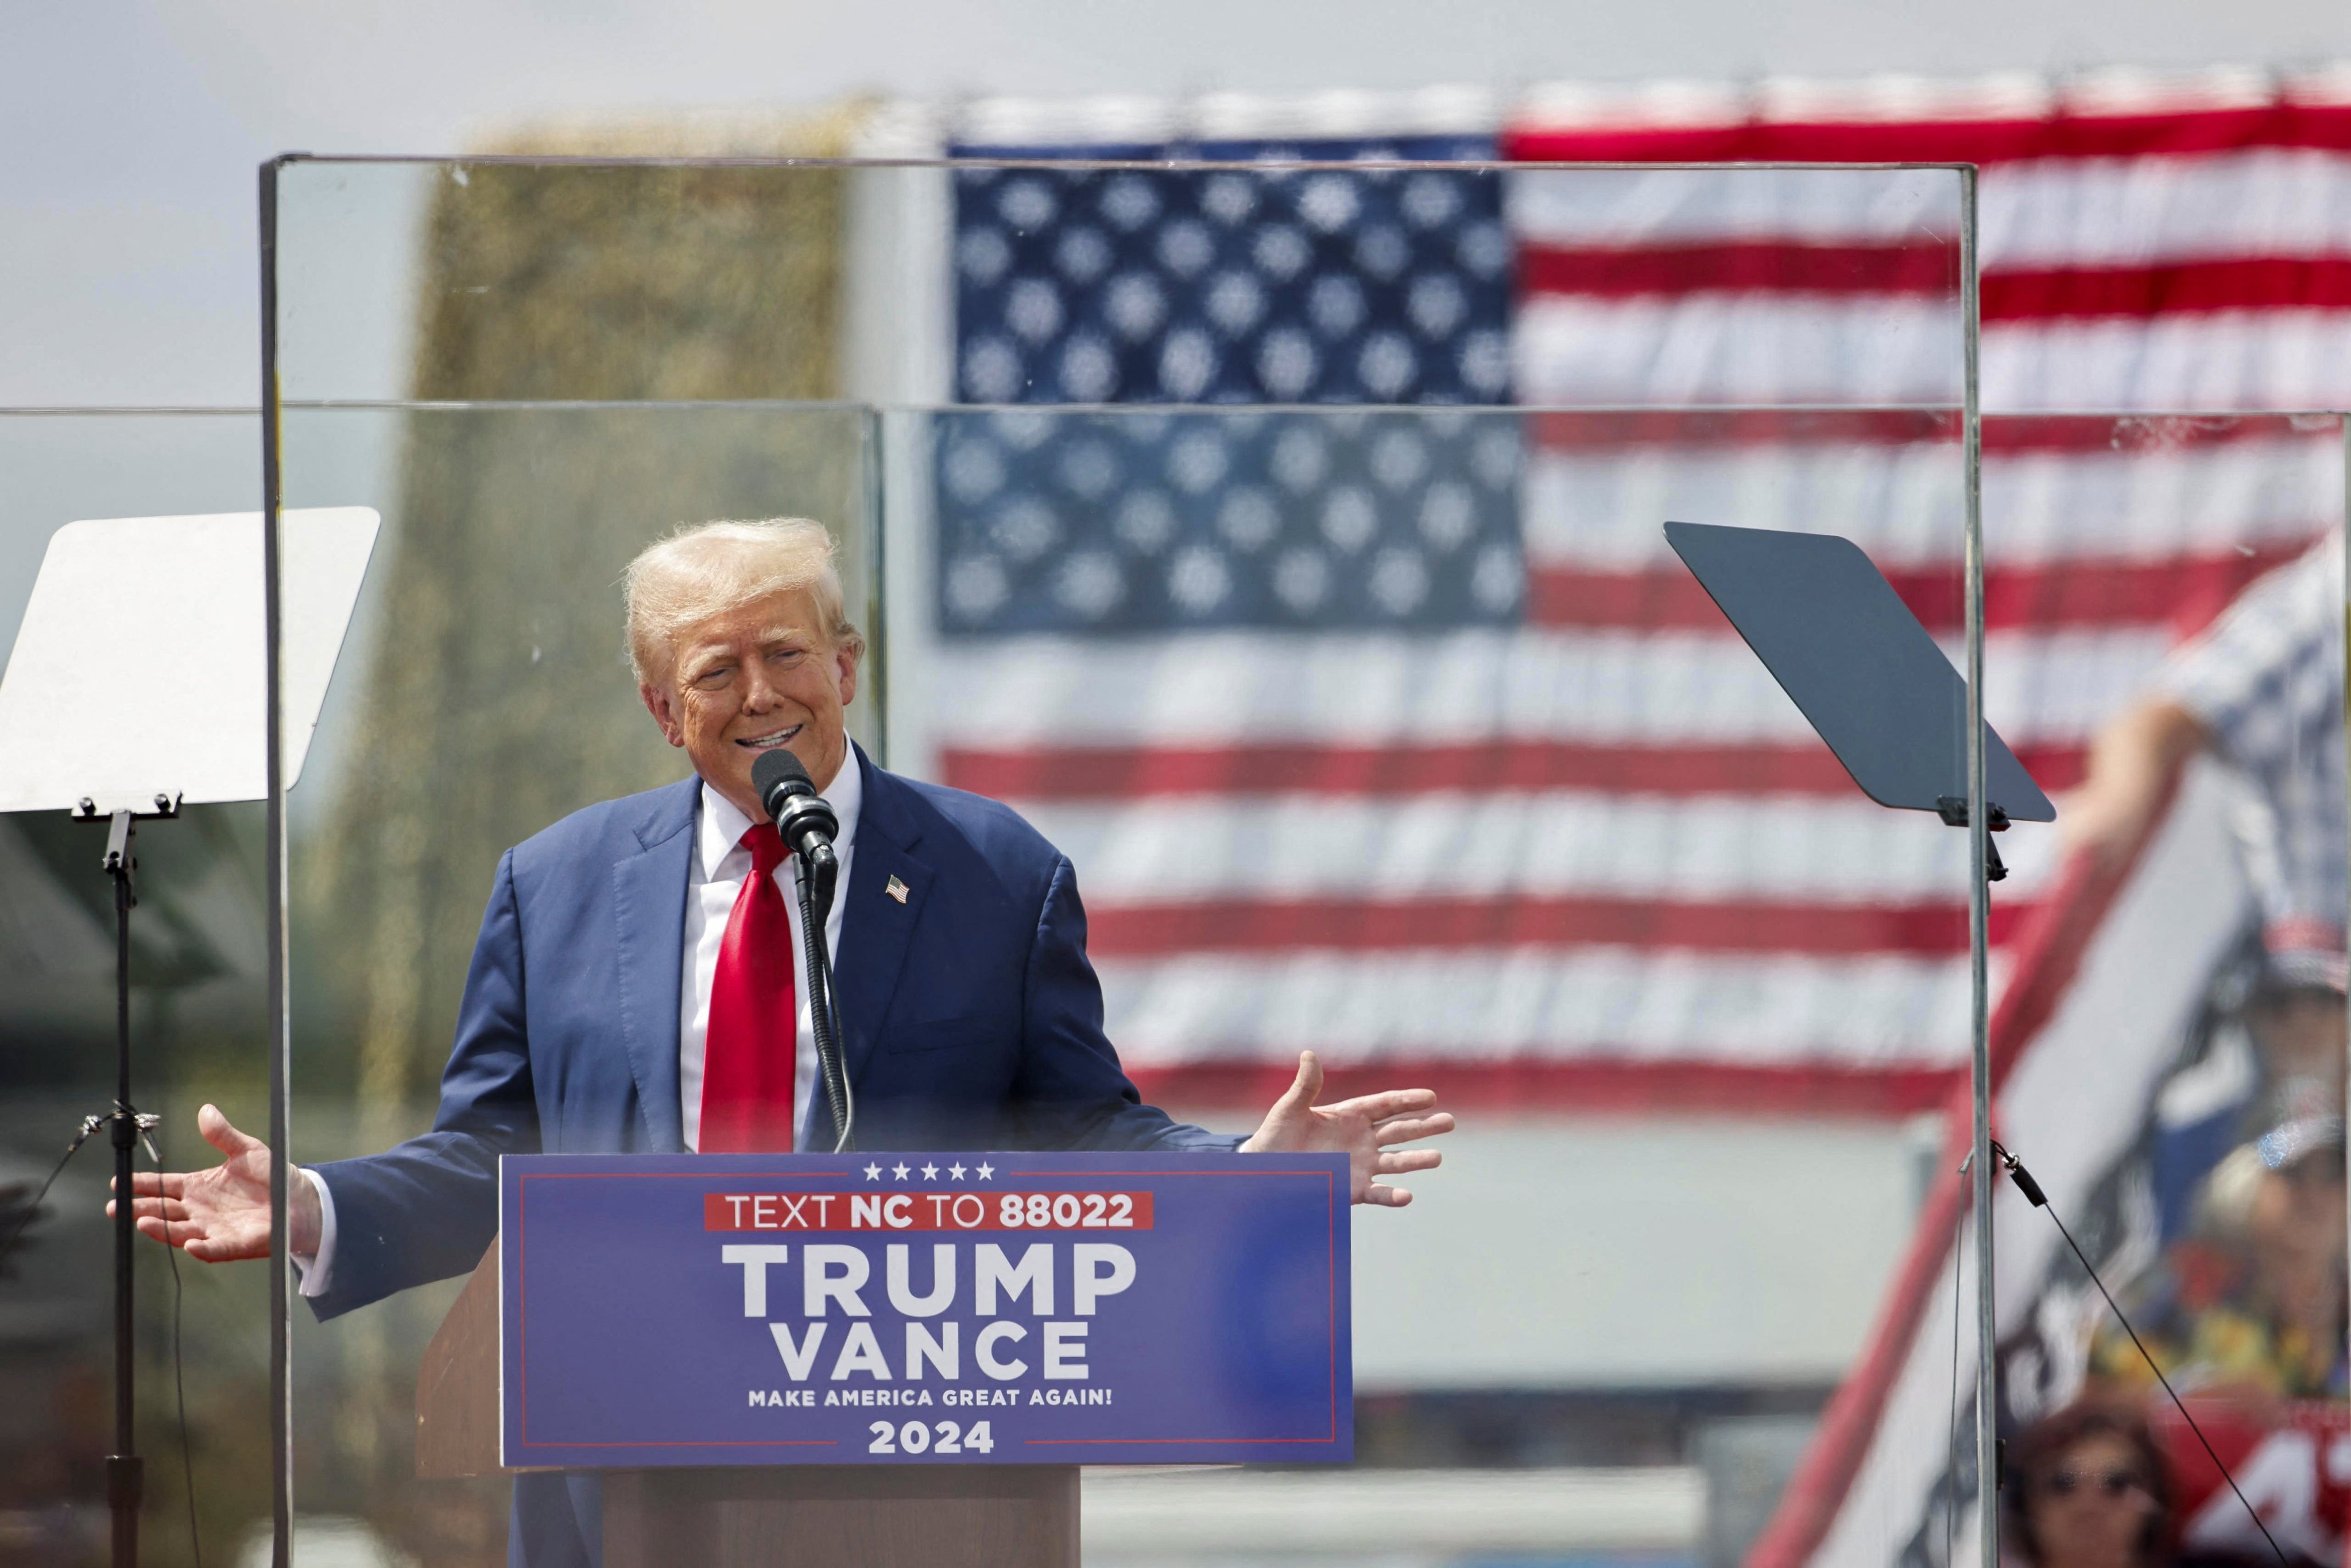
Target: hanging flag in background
x,y
2139,251
1137,286
2145,245
1403,736
1130,286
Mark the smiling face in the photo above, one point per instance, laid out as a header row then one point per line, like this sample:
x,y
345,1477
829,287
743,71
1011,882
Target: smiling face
x,y
749,679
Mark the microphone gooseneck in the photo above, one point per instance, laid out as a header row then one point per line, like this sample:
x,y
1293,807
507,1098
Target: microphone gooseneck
x,y
824,1022
808,826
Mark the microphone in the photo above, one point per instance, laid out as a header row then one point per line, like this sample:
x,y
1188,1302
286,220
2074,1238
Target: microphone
x,y
807,825
801,814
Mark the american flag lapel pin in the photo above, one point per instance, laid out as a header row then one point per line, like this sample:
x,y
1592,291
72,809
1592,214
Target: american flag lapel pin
x,y
897,890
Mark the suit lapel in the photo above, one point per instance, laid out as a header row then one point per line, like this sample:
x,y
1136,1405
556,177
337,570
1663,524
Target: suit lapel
x,y
649,904
876,928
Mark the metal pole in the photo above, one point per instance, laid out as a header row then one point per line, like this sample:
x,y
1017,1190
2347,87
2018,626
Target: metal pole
x,y
122,1470
281,1385
2344,1109
874,428
1978,908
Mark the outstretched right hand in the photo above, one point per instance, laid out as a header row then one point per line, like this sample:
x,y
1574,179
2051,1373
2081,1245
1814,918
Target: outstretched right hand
x,y
221,1214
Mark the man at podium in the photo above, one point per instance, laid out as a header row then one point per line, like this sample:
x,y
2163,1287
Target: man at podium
x,y
638,984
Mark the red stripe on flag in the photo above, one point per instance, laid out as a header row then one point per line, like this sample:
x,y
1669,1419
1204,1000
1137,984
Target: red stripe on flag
x,y
1130,772
1611,429
1375,925
2237,282
1599,1084
1741,267
2183,131
2182,592
1608,430
1931,271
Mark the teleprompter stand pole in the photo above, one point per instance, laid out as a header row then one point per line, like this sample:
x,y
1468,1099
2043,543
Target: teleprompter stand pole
x,y
125,1128
1907,726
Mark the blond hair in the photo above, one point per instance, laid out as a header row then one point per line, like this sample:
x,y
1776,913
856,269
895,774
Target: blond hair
x,y
703,569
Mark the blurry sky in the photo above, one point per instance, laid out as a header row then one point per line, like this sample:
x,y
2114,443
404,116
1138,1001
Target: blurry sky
x,y
129,130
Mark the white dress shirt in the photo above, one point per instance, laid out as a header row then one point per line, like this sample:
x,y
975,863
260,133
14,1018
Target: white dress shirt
x,y
720,864
714,880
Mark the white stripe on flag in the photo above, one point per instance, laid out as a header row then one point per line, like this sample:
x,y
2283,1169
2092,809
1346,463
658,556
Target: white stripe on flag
x,y
1698,349
2130,212
1626,207
1665,351
2272,359
1904,505
2065,212
1224,687
1622,1002
1843,851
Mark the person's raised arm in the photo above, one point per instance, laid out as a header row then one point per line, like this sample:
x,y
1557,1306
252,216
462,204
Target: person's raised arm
x,y
2131,761
221,1214
1367,1129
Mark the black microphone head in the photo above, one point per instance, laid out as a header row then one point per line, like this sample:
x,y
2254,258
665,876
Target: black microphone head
x,y
773,774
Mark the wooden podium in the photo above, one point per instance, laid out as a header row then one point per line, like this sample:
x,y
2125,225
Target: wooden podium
x,y
752,1516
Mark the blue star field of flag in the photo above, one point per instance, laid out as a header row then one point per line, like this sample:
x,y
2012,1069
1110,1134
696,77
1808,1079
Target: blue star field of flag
x,y
1285,286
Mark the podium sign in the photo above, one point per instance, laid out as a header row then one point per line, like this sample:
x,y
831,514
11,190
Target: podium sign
x,y
923,1309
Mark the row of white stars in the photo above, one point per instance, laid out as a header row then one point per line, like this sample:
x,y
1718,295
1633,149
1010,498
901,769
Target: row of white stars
x,y
930,1172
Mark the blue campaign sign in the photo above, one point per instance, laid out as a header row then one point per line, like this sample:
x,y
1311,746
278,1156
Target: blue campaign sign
x,y
925,1309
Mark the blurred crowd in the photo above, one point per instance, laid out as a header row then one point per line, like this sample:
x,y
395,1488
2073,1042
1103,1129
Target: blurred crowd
x,y
2242,1303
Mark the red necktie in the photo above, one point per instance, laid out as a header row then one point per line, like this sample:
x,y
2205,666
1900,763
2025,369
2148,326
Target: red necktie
x,y
749,1053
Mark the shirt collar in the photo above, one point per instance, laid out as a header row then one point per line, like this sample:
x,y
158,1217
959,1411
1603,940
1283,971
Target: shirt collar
x,y
723,824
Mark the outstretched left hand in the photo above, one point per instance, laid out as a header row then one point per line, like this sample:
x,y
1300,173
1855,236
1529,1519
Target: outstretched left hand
x,y
1361,1128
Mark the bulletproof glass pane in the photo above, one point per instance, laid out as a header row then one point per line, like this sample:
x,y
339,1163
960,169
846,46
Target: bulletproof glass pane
x,y
1278,529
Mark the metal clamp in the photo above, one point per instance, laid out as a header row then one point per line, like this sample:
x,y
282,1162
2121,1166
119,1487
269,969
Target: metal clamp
x,y
1953,810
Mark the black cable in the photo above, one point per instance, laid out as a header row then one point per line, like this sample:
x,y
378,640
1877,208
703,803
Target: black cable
x,y
2039,1200
33,1210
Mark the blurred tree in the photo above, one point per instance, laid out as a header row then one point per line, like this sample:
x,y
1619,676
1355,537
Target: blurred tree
x,y
613,349
495,698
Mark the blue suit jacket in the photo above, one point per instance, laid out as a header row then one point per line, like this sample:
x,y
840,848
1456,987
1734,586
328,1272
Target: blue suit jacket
x,y
970,1018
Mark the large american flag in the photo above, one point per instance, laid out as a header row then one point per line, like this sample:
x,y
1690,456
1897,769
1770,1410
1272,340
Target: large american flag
x,y
1403,735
